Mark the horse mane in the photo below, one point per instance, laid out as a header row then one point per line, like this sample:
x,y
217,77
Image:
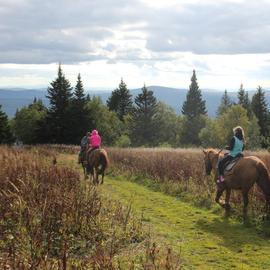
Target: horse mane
x,y
211,150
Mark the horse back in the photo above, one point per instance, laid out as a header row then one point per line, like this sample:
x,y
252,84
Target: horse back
x,y
99,156
245,172
104,157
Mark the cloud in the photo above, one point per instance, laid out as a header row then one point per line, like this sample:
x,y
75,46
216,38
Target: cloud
x,y
35,31
222,28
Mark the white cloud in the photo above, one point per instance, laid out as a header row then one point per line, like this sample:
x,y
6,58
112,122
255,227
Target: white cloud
x,y
213,71
156,42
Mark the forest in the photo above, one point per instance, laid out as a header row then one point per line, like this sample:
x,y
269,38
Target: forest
x,y
140,121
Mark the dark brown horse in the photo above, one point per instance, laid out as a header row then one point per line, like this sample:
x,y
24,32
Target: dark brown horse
x,y
243,175
97,162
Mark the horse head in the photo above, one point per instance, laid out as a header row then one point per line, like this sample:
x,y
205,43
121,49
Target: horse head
x,y
207,161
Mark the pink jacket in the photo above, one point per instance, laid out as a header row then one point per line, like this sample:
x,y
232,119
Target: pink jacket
x,y
94,139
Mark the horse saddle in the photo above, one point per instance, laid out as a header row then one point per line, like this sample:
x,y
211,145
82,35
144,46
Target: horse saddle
x,y
230,164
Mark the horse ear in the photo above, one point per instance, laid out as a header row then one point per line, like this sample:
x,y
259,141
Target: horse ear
x,y
204,151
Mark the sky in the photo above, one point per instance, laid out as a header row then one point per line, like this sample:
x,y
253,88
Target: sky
x,y
152,42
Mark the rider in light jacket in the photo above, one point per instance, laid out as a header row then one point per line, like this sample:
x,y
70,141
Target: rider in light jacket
x,y
236,148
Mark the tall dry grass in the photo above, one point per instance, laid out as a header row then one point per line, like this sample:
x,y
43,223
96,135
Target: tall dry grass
x,y
49,219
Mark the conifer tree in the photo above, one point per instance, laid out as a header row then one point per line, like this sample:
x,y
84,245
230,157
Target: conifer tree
x,y
80,115
143,116
194,105
120,101
5,133
243,100
79,95
88,98
259,108
241,95
59,95
225,103
194,112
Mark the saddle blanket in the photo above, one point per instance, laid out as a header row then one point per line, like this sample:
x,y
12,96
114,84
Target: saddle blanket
x,y
229,165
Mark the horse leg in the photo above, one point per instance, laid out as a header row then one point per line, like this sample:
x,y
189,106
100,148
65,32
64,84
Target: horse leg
x,y
227,199
93,175
220,190
245,200
102,177
96,171
84,171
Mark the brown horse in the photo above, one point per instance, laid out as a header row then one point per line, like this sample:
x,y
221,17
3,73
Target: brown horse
x,y
97,162
243,175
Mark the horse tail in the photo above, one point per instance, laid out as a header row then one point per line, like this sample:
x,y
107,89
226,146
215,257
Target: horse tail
x,y
263,180
104,161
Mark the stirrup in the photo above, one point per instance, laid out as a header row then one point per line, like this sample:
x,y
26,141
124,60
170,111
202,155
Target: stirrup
x,y
220,179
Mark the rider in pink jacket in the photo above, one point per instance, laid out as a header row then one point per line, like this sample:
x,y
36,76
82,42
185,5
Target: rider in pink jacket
x,y
94,140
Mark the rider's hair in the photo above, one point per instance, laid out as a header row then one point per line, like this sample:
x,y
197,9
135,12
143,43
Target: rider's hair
x,y
239,133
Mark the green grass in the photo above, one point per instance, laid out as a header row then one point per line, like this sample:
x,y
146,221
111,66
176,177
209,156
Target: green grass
x,y
204,237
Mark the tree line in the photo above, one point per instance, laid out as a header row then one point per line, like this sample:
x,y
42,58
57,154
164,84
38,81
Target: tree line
x,y
142,121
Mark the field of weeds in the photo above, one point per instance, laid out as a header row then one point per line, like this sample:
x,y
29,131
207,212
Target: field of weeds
x,y
50,219
180,172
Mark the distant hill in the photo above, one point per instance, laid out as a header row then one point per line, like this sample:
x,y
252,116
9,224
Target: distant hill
x,y
16,98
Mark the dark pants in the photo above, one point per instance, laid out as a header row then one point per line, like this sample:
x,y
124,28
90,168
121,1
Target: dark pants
x,y
222,163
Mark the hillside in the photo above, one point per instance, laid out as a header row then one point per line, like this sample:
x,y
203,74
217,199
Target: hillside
x,y
13,99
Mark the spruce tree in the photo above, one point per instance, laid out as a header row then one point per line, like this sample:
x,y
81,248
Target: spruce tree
x,y
80,116
194,105
88,98
243,100
79,95
59,95
120,101
143,116
241,95
225,103
259,108
194,111
5,133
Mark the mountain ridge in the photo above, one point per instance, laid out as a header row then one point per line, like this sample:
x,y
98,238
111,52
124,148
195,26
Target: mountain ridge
x,y
12,99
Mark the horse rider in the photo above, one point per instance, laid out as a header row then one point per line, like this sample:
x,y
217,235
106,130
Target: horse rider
x,y
84,146
236,148
94,141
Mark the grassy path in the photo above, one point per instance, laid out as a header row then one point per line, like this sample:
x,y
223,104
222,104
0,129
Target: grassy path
x,y
206,240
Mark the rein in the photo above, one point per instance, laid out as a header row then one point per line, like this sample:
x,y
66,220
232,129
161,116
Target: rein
x,y
220,151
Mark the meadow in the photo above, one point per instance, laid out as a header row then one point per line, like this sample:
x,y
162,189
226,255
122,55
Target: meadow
x,y
50,219
155,211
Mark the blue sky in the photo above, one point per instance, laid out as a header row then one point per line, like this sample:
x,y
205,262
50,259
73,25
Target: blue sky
x,y
144,41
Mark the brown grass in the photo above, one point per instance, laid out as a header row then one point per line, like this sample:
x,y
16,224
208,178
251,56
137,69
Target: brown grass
x,y
49,219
